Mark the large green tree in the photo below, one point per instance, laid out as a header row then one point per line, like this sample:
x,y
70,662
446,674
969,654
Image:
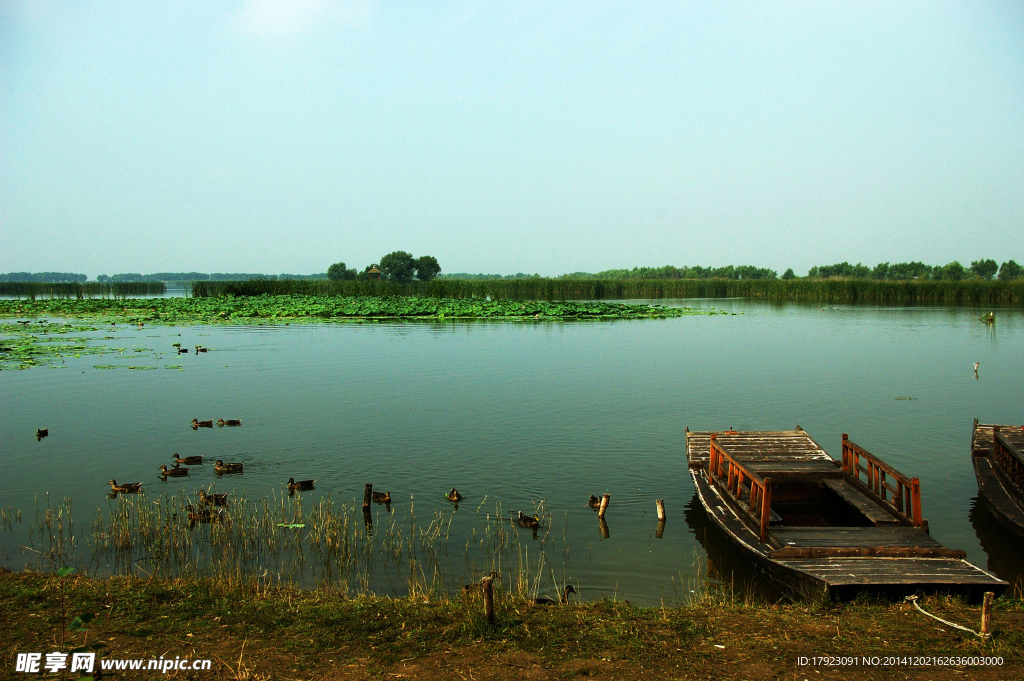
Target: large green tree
x,y
427,267
398,266
1010,270
954,271
338,272
986,269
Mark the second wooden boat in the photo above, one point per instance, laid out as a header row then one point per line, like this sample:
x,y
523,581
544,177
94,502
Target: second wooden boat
x,y
820,528
999,468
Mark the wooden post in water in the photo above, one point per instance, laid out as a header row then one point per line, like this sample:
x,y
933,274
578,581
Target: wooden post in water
x,y
368,521
604,505
986,613
367,495
488,584
660,530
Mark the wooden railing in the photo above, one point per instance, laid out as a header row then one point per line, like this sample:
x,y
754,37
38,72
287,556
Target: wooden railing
x,y
759,495
883,480
1008,459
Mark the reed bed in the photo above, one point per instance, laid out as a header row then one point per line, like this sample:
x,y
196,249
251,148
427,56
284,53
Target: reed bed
x,y
89,289
881,292
285,540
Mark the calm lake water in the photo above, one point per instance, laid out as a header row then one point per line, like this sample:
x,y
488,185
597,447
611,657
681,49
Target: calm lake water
x,y
521,413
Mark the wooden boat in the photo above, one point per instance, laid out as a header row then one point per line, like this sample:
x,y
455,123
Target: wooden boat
x,y
999,467
815,527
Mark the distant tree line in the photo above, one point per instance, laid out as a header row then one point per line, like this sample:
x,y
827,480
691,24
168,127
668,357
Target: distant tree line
x,y
46,277
398,266
402,267
202,276
672,272
918,271
466,276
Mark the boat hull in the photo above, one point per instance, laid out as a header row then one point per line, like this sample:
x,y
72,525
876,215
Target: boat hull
x,y
844,578
996,498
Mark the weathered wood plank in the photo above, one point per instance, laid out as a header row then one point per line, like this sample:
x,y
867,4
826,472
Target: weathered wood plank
x,y
745,446
864,504
981,444
882,571
853,536
866,552
773,467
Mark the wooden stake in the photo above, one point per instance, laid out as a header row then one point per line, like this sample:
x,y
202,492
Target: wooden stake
x,y
986,613
660,503
604,505
367,495
488,584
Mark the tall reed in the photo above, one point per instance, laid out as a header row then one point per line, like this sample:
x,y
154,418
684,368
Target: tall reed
x,y
89,289
967,292
278,539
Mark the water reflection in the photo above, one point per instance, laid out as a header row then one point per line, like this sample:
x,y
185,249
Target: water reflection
x,y
726,565
1004,550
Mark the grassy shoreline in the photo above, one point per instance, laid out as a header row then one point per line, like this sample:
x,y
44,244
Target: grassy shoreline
x,y
253,631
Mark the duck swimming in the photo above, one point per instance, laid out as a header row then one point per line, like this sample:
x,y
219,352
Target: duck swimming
x,y
126,488
222,467
595,502
175,472
201,424
533,522
382,497
188,460
300,485
229,422
212,499
454,495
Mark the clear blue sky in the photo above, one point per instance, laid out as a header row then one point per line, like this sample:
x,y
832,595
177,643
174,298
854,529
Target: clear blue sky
x,y
281,136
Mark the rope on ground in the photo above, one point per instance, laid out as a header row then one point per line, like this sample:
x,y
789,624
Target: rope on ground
x,y
913,599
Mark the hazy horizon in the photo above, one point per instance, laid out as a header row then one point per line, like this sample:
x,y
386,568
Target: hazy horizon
x,y
272,136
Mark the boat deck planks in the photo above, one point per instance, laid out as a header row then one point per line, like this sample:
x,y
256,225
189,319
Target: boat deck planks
x,y
777,447
981,444
889,554
907,571
817,468
853,536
